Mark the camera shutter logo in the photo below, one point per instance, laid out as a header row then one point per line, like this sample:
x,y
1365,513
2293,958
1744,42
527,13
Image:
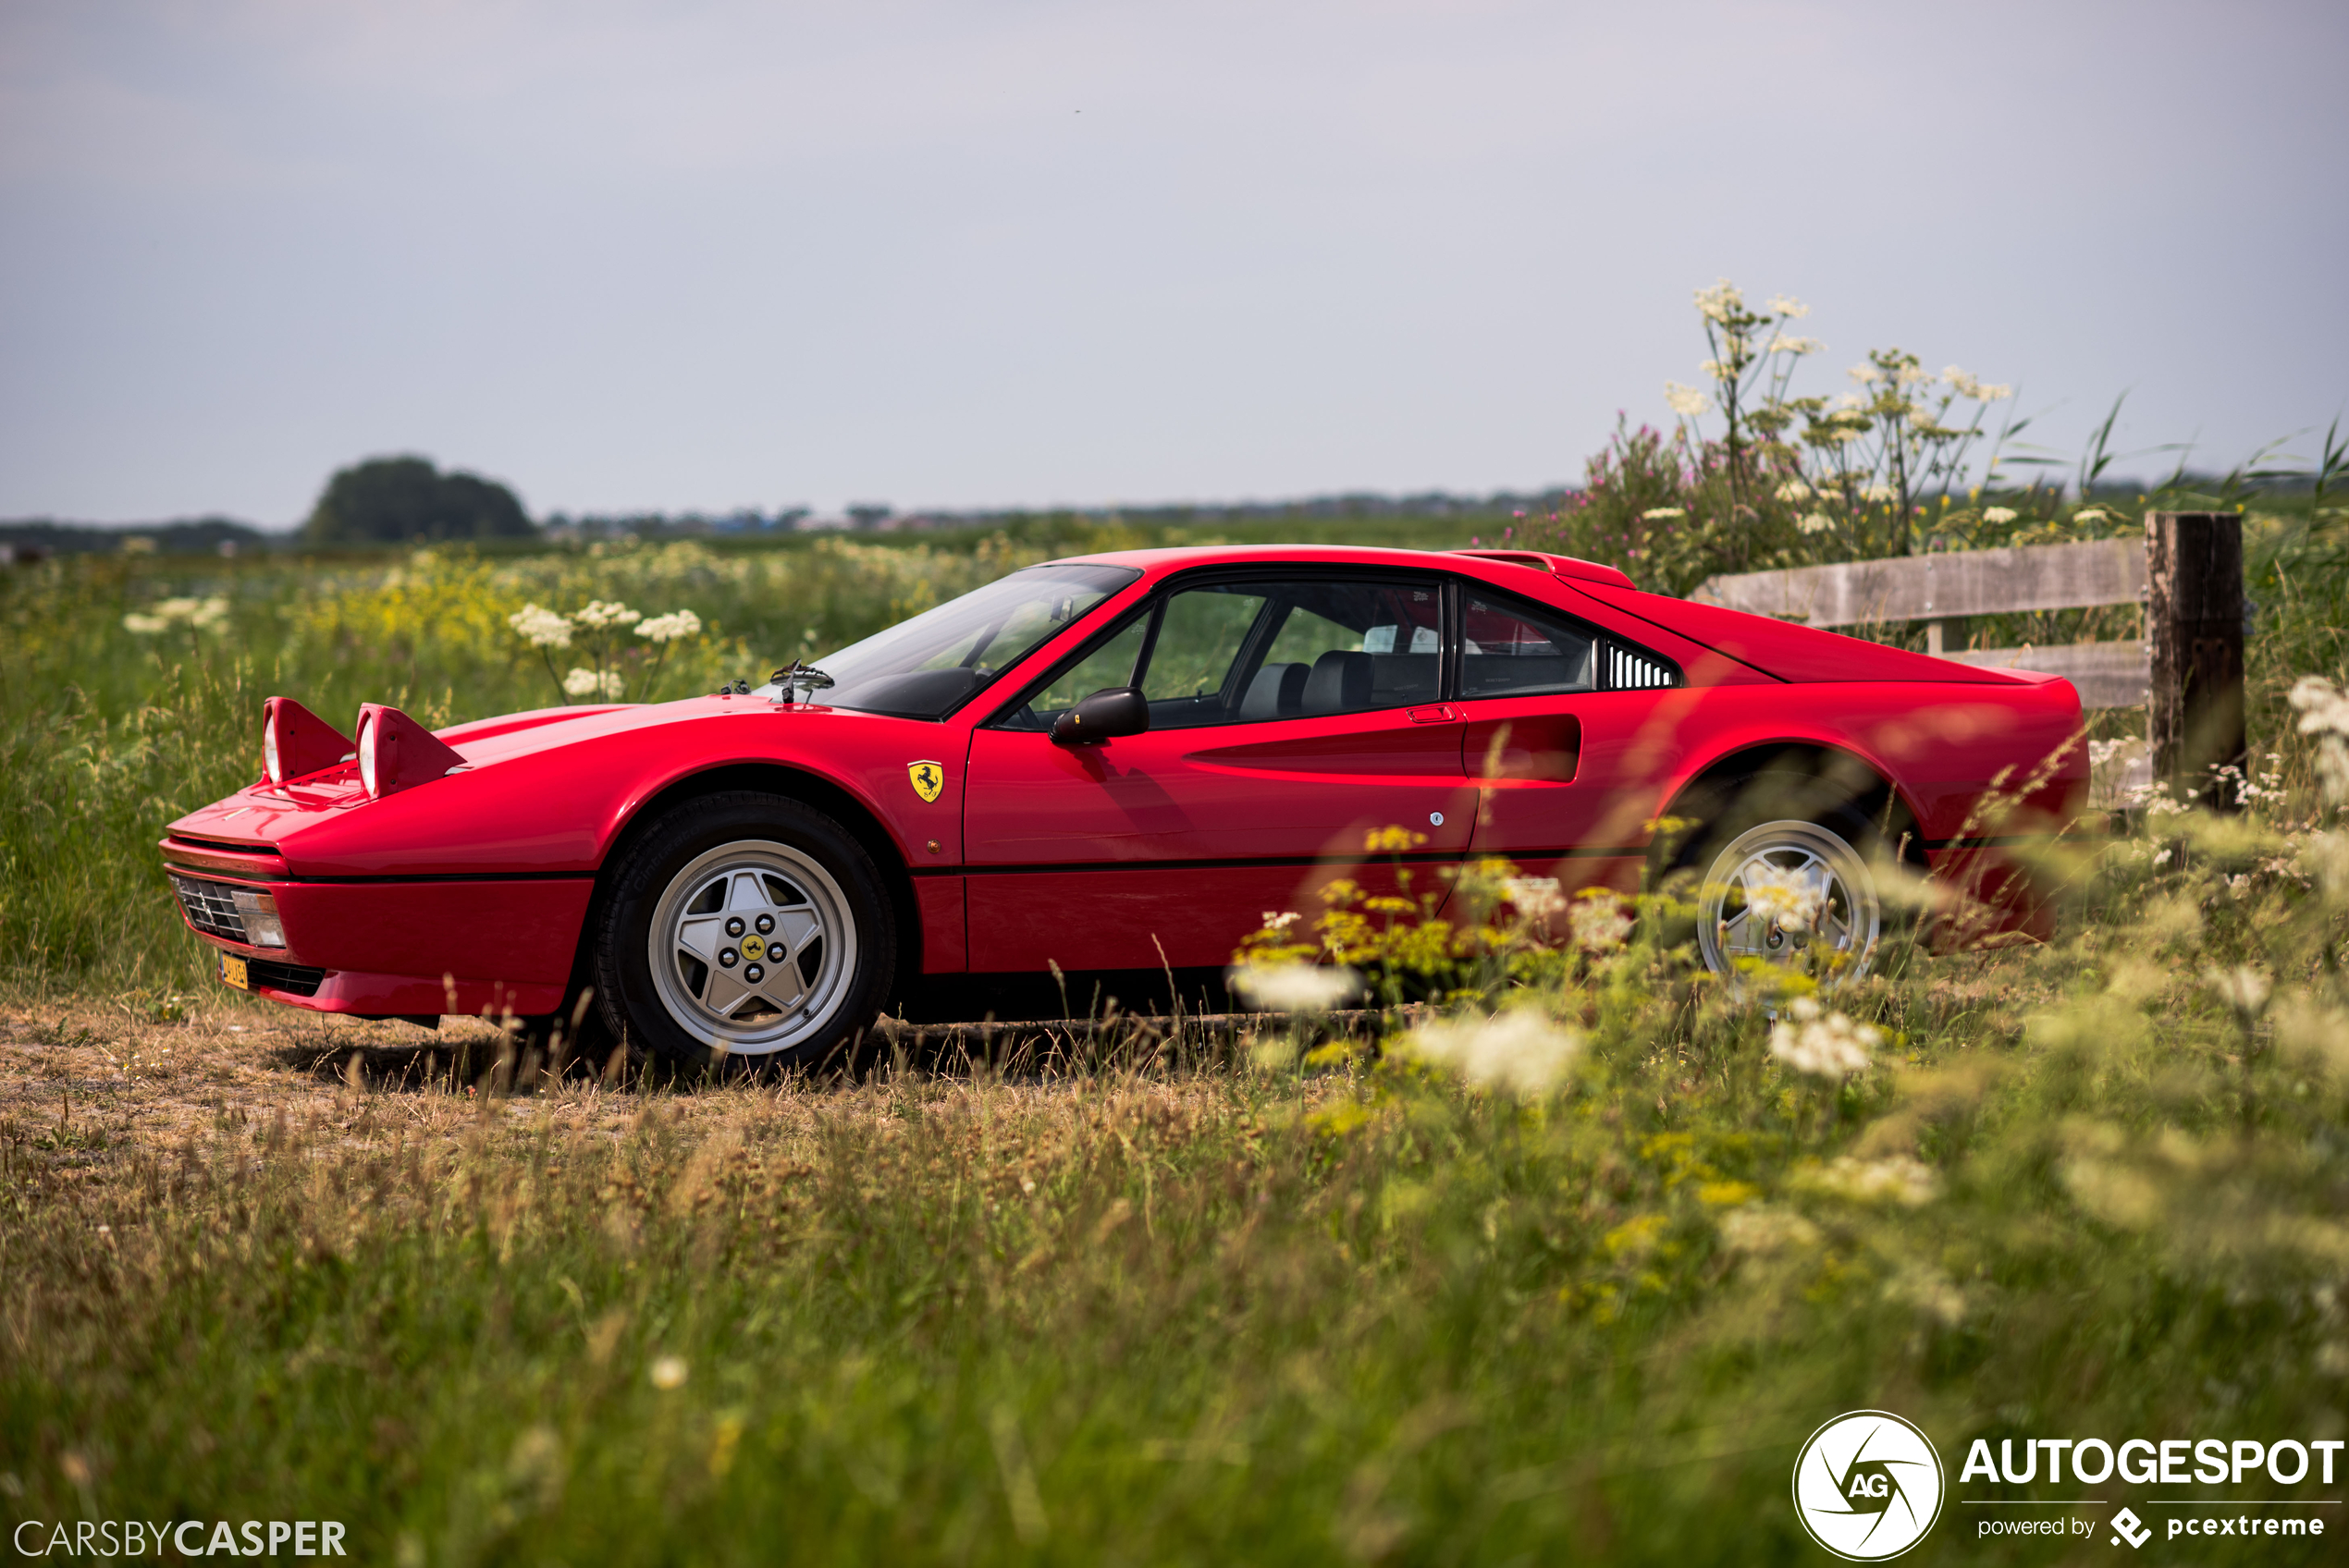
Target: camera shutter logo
x,y
1868,1485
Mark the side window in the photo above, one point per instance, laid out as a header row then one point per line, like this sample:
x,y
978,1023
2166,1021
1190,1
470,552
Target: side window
x,y
1252,651
1514,650
1111,664
1349,647
1509,648
1202,635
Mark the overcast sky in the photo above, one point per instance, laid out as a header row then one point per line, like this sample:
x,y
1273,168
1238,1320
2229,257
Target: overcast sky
x,y
701,255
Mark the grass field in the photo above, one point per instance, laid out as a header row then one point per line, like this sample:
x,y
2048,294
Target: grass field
x,y
1238,1301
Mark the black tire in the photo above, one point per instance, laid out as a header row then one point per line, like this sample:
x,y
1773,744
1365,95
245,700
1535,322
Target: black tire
x,y
769,863
1787,815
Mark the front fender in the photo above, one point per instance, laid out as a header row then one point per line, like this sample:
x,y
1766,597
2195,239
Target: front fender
x,y
552,800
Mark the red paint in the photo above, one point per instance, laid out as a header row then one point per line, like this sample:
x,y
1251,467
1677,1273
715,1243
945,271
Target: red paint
x,y
945,947
1173,843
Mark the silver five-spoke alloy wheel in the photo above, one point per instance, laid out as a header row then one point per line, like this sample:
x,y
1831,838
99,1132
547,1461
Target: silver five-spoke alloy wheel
x,y
1779,888
752,947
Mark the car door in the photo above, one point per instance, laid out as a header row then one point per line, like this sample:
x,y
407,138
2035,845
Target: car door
x,y
1562,736
1293,712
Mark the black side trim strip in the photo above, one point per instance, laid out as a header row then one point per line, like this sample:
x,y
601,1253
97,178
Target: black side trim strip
x,y
259,879
1986,842
1270,862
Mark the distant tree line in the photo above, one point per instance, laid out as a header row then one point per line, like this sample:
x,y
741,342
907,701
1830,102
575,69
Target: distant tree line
x,y
32,537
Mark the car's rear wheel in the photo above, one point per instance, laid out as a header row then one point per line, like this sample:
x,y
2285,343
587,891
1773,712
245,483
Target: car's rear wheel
x,y
1786,874
746,928
1783,888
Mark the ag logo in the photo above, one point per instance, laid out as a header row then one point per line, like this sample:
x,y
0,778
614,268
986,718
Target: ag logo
x,y
928,776
1867,1485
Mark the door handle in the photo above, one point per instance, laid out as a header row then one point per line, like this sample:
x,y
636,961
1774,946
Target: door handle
x,y
1442,713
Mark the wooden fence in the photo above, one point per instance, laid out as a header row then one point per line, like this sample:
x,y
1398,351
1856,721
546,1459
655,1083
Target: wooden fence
x,y
2185,668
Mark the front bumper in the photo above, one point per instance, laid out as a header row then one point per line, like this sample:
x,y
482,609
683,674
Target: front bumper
x,y
391,947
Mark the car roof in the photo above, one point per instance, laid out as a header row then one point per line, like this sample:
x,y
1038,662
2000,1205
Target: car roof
x,y
1472,562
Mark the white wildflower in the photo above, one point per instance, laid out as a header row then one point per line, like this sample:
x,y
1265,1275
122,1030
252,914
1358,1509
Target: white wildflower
x,y
544,628
669,628
599,615
1815,522
1686,402
1762,1230
1997,514
1519,1050
1832,1047
1962,382
1713,370
1601,921
1279,920
2324,714
1792,309
1656,514
1293,988
1793,345
204,614
1793,490
587,683
1535,898
1865,374
2243,988
1720,302
1787,899
1879,493
669,1372
1909,374
2323,707
2091,514
1898,1178
1930,1291
1993,392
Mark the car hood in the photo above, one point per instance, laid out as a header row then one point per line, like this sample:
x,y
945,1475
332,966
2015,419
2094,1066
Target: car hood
x,y
536,793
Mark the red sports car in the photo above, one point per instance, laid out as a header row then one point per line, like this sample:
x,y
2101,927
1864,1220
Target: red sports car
x,y
1116,762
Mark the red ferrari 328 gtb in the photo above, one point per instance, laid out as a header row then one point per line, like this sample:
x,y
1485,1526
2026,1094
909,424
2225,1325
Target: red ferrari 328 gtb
x,y
1116,762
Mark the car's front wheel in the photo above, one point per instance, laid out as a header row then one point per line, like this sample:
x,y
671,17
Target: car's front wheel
x,y
749,927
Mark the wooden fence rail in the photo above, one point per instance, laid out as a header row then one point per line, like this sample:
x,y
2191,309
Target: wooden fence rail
x,y
2185,667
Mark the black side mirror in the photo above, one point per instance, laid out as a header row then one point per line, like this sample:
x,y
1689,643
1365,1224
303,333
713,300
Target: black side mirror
x,y
1104,715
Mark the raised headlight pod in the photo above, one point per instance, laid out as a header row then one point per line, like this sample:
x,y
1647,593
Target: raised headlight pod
x,y
296,743
396,753
259,912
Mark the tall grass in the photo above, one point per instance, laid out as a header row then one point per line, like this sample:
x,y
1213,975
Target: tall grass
x,y
1257,1311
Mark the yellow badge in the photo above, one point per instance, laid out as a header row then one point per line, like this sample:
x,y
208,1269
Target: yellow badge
x,y
929,779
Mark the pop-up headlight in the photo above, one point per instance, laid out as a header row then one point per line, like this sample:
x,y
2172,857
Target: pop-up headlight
x,y
396,753
296,743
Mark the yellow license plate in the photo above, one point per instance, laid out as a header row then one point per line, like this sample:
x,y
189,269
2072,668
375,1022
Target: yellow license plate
x,y
232,970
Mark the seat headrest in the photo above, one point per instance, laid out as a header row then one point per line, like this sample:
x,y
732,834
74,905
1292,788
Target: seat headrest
x,y
1340,683
1278,691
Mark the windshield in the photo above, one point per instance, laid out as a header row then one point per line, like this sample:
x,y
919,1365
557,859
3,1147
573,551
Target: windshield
x,y
929,665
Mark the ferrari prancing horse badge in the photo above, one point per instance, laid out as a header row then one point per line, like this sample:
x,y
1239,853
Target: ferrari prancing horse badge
x,y
929,779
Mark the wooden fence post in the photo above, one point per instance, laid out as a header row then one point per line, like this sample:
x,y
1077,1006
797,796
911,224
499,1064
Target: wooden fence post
x,y
2194,616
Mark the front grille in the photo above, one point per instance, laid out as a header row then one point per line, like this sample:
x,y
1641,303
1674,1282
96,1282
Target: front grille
x,y
211,906
290,978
